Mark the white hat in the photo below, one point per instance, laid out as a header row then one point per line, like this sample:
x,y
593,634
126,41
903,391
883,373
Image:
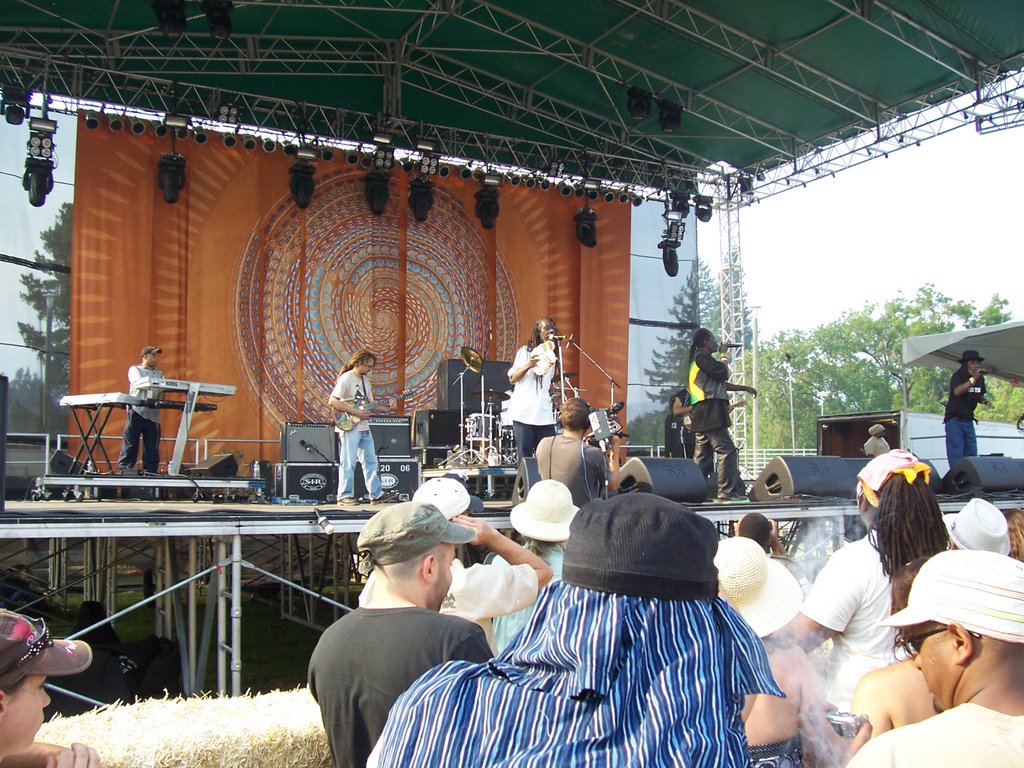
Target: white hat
x,y
982,591
979,525
765,593
445,493
546,513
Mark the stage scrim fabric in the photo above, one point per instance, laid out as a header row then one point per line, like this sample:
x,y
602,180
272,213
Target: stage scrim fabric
x,y
241,287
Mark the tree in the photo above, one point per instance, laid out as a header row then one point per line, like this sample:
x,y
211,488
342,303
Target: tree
x,y
36,289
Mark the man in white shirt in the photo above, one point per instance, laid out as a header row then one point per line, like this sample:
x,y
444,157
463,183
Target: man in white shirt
x,y
141,421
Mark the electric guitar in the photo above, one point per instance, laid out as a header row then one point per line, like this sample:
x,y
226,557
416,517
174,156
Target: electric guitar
x,y
346,421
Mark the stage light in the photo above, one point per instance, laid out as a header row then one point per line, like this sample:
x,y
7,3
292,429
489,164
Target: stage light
x,y
680,205
702,208
301,182
565,190
669,257
426,146
42,125
556,167
269,146
170,176
428,165
249,143
38,180
465,172
421,197
352,158
170,17
327,154
383,158
15,104
637,202
377,192
407,166
200,137
669,116
444,171
115,123
492,179
218,17
230,140
305,153
382,138
138,127
545,184
160,130
487,208
227,113
181,133
609,197
623,198
586,226
746,184
515,181
638,103
176,121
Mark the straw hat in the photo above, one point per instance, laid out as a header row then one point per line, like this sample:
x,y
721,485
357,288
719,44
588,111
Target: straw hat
x,y
979,525
546,513
766,594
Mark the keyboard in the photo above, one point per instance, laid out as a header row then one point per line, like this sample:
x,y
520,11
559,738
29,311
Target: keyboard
x,y
182,385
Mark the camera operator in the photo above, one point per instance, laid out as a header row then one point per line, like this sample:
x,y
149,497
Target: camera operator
x,y
589,472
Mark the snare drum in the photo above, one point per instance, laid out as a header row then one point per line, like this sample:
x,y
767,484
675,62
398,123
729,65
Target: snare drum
x,y
479,426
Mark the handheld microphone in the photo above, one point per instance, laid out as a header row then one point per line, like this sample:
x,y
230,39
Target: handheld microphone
x,y
560,338
323,522
616,407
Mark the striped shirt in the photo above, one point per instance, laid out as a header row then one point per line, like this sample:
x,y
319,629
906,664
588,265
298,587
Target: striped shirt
x,y
595,679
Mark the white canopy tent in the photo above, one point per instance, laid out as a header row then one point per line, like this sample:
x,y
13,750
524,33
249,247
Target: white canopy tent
x,y
1002,346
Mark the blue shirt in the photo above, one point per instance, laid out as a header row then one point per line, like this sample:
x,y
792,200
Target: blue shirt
x,y
508,626
595,679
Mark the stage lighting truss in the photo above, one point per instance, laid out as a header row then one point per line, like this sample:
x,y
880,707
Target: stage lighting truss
x,y
301,182
218,17
421,197
586,226
15,104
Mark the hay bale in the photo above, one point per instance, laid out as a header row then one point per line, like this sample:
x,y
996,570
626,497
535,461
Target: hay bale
x,y
280,729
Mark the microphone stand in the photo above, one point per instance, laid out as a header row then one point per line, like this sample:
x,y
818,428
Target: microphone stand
x,y
602,370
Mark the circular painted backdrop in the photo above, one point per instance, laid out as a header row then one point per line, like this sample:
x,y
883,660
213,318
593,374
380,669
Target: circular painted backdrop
x,y
345,296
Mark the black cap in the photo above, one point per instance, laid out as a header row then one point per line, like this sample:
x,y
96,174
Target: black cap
x,y
147,349
970,354
642,545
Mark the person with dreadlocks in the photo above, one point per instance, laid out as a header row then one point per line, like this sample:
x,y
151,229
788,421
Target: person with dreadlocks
x,y
709,389
530,376
852,593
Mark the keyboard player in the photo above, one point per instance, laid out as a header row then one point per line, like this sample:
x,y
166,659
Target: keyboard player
x,y
142,422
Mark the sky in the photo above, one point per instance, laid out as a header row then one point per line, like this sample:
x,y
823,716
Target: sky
x,y
947,212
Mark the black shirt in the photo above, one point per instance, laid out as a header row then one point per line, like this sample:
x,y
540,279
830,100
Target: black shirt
x,y
368,658
962,406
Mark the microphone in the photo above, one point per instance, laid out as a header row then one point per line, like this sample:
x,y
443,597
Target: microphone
x,y
560,338
616,407
734,346
324,522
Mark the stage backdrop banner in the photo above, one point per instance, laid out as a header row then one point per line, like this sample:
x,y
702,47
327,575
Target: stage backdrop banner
x,y
239,286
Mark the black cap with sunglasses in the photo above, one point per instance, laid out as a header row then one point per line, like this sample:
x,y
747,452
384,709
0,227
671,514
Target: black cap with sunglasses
x,y
26,648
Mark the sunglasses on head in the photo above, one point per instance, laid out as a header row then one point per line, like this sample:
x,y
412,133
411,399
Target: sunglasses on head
x,y
34,645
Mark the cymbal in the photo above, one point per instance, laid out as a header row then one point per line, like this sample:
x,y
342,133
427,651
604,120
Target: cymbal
x,y
490,396
471,359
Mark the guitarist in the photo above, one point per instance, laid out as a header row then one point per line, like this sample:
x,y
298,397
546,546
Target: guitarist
x,y
353,395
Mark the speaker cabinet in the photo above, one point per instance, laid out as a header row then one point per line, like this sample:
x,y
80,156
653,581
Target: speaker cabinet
x,y
528,474
495,375
676,479
825,476
399,475
391,435
305,483
433,427
218,465
990,474
321,445
62,463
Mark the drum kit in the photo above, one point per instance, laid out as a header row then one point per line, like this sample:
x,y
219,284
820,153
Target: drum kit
x,y
487,436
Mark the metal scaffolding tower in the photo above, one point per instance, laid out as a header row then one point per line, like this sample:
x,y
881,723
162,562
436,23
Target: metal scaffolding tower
x,y
730,280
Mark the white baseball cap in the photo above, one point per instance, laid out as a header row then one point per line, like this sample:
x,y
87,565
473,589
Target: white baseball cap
x,y
446,493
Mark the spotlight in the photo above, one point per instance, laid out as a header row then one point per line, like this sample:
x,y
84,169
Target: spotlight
x,y
556,167
545,184
327,154
170,176
565,190
444,171
638,103
746,184
227,113
428,165
669,257
407,166
230,140
637,202
623,198
160,130
249,143
492,179
138,127
115,123
592,194
702,207
269,146
465,172
38,180
529,182
42,125
515,181
352,158
487,208
680,204
290,150
669,116
383,158
92,121
15,104
176,121
305,153
609,197
181,133
382,138
377,192
301,182
591,184
218,17
170,17
426,146
421,197
586,226
200,137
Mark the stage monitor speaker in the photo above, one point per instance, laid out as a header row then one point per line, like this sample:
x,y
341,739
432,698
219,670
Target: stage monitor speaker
x,y
391,435
675,479
309,442
988,474
62,463
528,474
399,475
218,465
495,375
433,427
825,476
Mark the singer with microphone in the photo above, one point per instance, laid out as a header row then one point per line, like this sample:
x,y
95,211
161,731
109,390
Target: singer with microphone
x,y
531,375
966,390
709,389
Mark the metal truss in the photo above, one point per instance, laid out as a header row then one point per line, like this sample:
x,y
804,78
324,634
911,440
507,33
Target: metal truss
x,y
732,295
